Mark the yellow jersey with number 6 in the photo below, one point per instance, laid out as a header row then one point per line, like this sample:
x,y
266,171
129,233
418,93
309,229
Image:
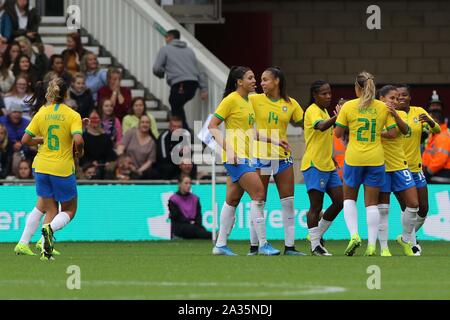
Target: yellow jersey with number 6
x,y
364,126
56,124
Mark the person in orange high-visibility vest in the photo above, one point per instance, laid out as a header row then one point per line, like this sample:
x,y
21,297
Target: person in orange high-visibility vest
x,y
436,157
339,146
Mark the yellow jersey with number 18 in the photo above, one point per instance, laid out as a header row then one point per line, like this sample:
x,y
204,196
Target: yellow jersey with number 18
x,y
56,124
319,145
364,126
239,117
272,119
411,141
393,149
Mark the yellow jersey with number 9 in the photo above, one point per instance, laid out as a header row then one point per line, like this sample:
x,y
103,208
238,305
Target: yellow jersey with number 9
x,y
364,126
393,149
272,119
239,117
56,124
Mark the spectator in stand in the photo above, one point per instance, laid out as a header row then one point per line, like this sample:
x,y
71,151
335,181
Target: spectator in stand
x,y
172,148
57,66
188,168
125,169
140,144
15,124
39,60
98,147
5,27
11,54
6,76
185,212
6,152
183,76
88,171
110,123
24,67
119,96
25,22
24,170
81,95
19,92
131,120
74,53
95,77
436,157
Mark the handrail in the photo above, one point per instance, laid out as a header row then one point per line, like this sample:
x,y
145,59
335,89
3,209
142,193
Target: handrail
x,y
131,31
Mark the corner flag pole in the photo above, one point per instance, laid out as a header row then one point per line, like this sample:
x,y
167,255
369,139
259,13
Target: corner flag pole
x,y
214,204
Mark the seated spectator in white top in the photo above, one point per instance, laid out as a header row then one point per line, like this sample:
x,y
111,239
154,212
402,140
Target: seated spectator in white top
x,y
25,21
19,92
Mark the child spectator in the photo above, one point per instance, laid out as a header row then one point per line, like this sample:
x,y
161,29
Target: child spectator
x,y
131,120
6,76
24,170
185,212
95,77
119,96
110,123
88,171
6,153
74,53
125,169
81,95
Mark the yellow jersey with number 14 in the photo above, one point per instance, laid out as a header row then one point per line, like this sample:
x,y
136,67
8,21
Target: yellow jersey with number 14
x,y
272,119
364,126
56,124
411,141
319,145
239,117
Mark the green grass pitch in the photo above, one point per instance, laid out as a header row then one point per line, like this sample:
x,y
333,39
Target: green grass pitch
x,y
182,269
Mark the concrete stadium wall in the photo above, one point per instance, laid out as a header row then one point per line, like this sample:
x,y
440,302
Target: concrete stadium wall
x,y
329,40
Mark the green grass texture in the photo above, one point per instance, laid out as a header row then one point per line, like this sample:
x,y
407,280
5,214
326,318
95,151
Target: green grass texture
x,y
187,270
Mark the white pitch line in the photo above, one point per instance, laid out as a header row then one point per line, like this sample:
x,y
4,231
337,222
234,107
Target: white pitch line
x,y
292,289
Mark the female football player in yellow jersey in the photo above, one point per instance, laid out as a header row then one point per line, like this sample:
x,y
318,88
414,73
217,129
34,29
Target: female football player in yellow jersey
x,y
274,110
418,120
318,167
364,118
60,127
236,111
398,177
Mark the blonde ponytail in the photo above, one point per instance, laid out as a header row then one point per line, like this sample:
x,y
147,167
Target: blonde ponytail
x,y
365,81
53,94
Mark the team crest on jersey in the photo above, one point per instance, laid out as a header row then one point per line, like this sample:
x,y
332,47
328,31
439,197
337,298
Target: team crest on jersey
x,y
322,183
416,120
284,108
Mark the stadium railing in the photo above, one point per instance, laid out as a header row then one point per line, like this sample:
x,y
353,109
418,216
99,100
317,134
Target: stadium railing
x,y
133,31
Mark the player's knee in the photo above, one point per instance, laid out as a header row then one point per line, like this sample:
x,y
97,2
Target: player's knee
x,y
315,210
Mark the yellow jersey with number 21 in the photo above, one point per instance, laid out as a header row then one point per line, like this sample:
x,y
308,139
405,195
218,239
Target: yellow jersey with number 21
x,y
364,126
